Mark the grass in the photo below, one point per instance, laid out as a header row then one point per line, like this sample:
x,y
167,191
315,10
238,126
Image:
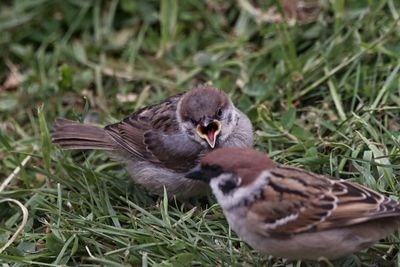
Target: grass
x,y
324,96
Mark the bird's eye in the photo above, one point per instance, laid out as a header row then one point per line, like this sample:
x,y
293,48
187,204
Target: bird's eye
x,y
219,113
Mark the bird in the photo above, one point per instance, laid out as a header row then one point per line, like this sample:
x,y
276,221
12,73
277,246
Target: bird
x,y
161,142
292,213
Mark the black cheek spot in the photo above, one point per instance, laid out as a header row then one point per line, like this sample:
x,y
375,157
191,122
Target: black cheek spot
x,y
227,186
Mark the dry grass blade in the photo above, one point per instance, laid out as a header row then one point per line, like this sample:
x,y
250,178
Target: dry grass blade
x,y
25,215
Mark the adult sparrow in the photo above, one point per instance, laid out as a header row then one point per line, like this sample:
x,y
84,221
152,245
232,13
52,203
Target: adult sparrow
x,y
292,213
160,143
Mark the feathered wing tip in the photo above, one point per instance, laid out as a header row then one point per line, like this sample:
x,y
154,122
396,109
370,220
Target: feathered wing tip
x,y
74,135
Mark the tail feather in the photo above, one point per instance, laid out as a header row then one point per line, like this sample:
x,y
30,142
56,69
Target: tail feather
x,y
74,135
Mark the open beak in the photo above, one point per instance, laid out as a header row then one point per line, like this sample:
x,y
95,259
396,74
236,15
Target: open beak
x,y
209,132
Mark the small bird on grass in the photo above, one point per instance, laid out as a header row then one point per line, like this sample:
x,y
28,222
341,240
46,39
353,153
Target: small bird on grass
x,y
292,213
160,143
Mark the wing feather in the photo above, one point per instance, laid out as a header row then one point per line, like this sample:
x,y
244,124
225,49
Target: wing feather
x,y
297,201
152,134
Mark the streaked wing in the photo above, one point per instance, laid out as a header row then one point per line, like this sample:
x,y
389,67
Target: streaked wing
x,y
152,134
298,201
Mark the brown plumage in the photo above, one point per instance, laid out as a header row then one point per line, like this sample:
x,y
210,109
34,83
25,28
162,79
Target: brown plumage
x,y
239,163
203,103
161,142
134,135
319,202
293,213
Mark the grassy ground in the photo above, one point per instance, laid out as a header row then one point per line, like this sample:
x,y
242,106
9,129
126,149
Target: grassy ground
x,y
322,95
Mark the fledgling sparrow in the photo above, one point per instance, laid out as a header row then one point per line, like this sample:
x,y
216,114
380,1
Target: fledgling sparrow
x,y
160,143
292,213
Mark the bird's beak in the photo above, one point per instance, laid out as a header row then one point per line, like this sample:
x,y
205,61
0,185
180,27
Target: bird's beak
x,y
195,174
209,131
203,174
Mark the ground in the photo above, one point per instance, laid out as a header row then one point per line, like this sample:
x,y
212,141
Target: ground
x,y
322,93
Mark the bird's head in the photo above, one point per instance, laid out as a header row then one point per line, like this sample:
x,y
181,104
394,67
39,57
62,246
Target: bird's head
x,y
207,115
231,172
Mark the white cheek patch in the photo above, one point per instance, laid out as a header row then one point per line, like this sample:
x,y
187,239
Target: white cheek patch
x,y
214,184
246,192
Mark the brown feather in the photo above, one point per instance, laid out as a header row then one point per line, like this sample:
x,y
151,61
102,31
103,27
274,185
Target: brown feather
x,y
150,134
239,160
74,135
203,101
144,135
316,203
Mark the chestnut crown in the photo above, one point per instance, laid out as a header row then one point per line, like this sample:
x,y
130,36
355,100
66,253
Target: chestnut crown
x,y
243,162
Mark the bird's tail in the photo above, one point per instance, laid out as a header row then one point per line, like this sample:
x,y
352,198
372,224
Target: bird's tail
x,y
74,135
